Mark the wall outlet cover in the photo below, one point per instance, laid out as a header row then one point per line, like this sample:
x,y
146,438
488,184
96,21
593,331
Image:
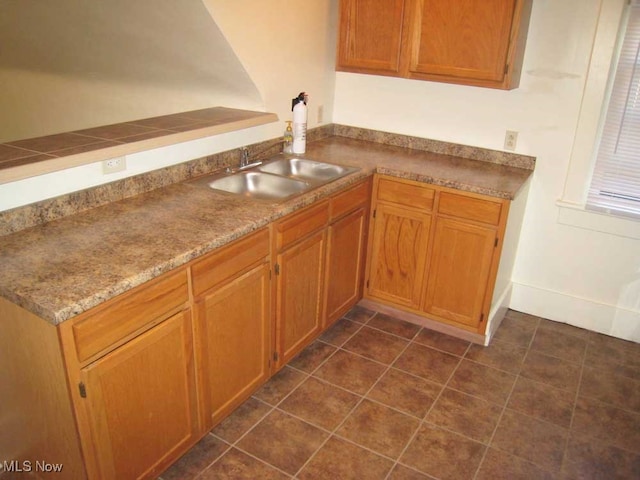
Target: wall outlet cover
x,y
114,165
510,140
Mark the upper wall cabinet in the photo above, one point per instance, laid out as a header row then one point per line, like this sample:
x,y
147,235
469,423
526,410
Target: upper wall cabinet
x,y
468,42
370,36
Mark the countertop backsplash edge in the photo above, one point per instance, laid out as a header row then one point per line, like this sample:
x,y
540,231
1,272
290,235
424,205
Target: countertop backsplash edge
x,y
437,146
44,211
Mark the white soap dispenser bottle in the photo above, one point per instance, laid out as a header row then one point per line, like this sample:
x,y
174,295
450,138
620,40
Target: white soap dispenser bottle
x,y
299,108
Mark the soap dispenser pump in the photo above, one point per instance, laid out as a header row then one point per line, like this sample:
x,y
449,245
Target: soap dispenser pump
x,y
299,108
288,138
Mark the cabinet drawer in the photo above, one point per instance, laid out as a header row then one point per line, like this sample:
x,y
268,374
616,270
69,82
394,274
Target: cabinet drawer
x,y
229,261
124,315
469,208
299,225
350,200
414,196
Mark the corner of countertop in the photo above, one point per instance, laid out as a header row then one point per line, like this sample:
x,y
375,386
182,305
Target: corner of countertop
x,y
499,157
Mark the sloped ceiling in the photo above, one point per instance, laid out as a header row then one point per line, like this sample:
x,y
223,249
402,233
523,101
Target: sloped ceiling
x,y
70,64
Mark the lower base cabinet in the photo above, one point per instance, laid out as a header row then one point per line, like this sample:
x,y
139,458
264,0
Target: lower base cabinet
x,y
320,258
459,272
233,324
345,263
151,371
435,251
132,377
300,245
398,254
140,401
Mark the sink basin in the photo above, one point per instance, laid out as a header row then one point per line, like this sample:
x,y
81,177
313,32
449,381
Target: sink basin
x,y
258,185
308,170
277,179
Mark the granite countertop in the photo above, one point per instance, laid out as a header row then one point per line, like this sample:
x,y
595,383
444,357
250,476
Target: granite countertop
x,y
67,266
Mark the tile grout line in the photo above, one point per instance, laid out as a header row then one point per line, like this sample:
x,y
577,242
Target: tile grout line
x,y
274,407
229,447
506,402
505,408
249,430
575,404
264,462
234,444
529,351
424,417
360,401
372,400
606,402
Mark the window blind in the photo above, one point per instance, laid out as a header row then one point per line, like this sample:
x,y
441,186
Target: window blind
x,y
615,185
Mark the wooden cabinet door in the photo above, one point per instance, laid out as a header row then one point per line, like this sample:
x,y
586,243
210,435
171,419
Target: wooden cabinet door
x,y
142,401
459,272
299,276
463,39
234,338
345,259
370,35
398,254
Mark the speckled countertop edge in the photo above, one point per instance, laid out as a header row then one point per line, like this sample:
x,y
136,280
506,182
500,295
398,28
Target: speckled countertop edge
x,y
62,288
60,292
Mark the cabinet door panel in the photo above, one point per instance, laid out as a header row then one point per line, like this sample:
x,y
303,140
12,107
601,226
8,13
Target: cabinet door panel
x,y
299,297
344,264
235,338
370,35
398,255
461,38
459,272
141,400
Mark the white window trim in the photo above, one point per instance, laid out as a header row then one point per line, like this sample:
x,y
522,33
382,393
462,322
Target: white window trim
x,y
572,204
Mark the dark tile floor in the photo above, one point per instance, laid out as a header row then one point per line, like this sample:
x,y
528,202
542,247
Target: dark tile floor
x,y
379,398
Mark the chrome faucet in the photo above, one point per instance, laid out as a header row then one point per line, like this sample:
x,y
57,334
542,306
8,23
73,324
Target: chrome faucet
x,y
244,160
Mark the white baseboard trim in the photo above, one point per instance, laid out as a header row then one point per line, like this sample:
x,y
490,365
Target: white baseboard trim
x,y
498,311
579,312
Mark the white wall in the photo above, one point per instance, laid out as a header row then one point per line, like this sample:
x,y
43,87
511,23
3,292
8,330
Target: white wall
x,y
284,48
583,277
69,64
287,47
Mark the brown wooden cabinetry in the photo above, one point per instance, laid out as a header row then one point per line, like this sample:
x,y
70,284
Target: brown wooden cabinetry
x,y
398,254
300,246
124,389
370,35
346,249
123,360
400,236
141,401
435,251
459,274
233,318
468,230
319,264
458,41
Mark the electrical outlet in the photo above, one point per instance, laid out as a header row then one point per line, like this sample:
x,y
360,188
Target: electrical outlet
x,y
114,165
510,140
320,113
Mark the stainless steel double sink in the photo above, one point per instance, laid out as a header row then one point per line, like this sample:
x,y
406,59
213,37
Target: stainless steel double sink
x,y
277,179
